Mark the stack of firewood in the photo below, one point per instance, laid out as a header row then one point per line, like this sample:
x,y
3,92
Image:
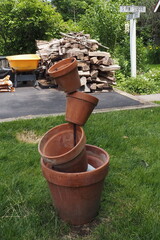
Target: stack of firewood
x,y
96,68
6,85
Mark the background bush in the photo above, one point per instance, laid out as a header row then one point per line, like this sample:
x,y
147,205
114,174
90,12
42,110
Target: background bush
x,y
122,54
104,22
153,54
24,21
147,83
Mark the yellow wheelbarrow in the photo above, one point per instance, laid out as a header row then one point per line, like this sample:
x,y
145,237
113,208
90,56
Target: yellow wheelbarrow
x,y
24,67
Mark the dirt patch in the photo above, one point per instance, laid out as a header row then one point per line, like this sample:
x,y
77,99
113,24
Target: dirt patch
x,y
28,137
82,231
85,231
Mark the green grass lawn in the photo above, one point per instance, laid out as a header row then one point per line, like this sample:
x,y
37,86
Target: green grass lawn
x,y
130,204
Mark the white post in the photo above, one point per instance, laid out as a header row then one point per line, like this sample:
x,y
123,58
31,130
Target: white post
x,y
133,47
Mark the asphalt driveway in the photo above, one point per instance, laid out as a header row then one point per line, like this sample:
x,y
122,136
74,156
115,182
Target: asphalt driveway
x,y
30,101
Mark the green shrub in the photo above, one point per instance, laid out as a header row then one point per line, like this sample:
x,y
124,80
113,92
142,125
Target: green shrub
x,y
71,26
23,22
100,21
153,54
143,84
122,54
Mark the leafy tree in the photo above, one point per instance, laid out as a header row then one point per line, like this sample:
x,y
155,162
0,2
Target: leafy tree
x,y
71,9
24,21
104,22
148,25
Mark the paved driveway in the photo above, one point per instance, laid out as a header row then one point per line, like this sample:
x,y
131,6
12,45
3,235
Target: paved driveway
x,y
30,101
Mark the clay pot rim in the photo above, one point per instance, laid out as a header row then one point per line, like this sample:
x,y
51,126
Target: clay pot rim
x,y
58,157
61,174
65,65
84,97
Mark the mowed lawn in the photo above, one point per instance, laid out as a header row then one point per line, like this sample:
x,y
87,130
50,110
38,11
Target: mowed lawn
x,y
130,204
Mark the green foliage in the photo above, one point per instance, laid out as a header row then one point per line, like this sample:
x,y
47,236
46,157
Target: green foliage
x,y
71,26
122,54
141,55
153,54
148,25
104,22
24,21
147,83
71,9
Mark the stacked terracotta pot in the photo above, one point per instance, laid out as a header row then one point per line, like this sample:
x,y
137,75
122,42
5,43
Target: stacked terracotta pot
x,y
74,170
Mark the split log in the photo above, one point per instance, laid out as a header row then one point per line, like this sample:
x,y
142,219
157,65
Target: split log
x,y
102,85
86,89
110,61
83,81
86,58
67,45
109,68
83,65
112,79
100,80
107,74
85,74
94,60
94,47
99,54
94,73
104,61
94,66
93,86
89,79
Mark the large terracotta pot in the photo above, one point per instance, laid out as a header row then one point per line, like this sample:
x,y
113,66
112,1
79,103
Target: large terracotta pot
x,y
66,75
79,106
76,196
65,153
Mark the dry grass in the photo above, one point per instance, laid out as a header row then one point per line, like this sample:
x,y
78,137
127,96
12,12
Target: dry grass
x,y
28,137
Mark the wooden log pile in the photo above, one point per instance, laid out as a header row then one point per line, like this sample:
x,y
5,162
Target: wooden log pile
x,y
96,68
6,85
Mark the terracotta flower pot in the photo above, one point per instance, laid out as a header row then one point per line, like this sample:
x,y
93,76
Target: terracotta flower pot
x,y
66,75
76,196
79,106
58,147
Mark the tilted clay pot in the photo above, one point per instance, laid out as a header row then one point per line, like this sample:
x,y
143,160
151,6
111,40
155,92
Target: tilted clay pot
x,y
76,196
58,147
79,106
65,73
